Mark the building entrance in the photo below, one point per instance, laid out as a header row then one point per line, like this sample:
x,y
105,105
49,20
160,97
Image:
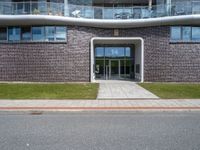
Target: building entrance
x,y
114,62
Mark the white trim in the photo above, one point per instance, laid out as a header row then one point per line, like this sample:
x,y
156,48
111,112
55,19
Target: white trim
x,y
92,76
11,20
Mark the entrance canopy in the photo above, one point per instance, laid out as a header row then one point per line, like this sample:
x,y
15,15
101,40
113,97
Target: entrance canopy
x,y
116,58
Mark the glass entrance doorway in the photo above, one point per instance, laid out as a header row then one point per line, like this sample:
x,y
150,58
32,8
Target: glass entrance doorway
x,y
114,62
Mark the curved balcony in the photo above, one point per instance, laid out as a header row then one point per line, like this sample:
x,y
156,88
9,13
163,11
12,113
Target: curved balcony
x,y
110,15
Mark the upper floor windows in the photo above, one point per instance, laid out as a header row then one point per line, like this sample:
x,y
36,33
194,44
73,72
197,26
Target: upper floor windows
x,y
26,33
38,33
185,34
14,33
35,33
196,34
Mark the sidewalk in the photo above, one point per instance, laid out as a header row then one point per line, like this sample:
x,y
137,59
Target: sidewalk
x,y
115,90
73,105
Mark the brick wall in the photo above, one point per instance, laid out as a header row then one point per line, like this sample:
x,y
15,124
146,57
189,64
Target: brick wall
x,y
63,62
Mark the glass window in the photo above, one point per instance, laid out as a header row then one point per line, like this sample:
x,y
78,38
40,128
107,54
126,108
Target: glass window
x,y
176,33
114,51
99,52
26,33
186,33
128,51
196,33
3,34
50,33
61,33
14,33
38,33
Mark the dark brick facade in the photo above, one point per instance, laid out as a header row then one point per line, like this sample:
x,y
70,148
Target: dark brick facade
x,y
63,62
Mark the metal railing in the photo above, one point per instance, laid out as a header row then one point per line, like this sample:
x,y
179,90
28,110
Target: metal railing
x,y
91,12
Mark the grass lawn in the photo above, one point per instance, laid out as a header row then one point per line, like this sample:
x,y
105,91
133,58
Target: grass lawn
x,y
173,90
49,91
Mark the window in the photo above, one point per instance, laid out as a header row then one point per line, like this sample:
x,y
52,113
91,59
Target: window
x,y
61,33
38,33
128,51
99,52
14,33
196,33
50,33
175,33
114,51
186,33
26,33
3,34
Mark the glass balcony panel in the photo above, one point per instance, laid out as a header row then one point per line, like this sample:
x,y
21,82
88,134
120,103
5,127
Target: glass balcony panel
x,y
87,12
145,12
27,8
137,13
75,11
118,12
91,12
161,11
6,8
108,13
98,13
195,7
42,7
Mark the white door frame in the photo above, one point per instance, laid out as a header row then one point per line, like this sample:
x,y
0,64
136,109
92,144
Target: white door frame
x,y
114,39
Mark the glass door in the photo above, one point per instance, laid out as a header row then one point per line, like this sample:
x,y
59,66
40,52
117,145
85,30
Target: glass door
x,y
114,69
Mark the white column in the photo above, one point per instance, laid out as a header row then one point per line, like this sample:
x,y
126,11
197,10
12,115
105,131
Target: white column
x,y
150,4
66,7
168,3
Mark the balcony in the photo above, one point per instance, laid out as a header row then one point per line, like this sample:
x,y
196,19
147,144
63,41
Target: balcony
x,y
91,12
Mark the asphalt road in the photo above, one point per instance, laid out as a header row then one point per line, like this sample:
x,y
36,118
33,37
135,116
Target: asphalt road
x,y
100,131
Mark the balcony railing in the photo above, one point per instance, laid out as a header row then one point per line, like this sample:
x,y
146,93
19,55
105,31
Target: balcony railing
x,y
90,12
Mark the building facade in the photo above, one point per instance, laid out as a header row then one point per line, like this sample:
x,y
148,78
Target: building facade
x,y
87,40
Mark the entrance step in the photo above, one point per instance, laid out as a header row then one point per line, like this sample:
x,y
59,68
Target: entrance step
x,y
122,90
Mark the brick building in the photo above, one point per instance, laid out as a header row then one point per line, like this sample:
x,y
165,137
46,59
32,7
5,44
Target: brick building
x,y
86,40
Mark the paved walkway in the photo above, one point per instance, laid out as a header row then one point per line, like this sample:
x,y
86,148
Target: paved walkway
x,y
122,90
62,105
